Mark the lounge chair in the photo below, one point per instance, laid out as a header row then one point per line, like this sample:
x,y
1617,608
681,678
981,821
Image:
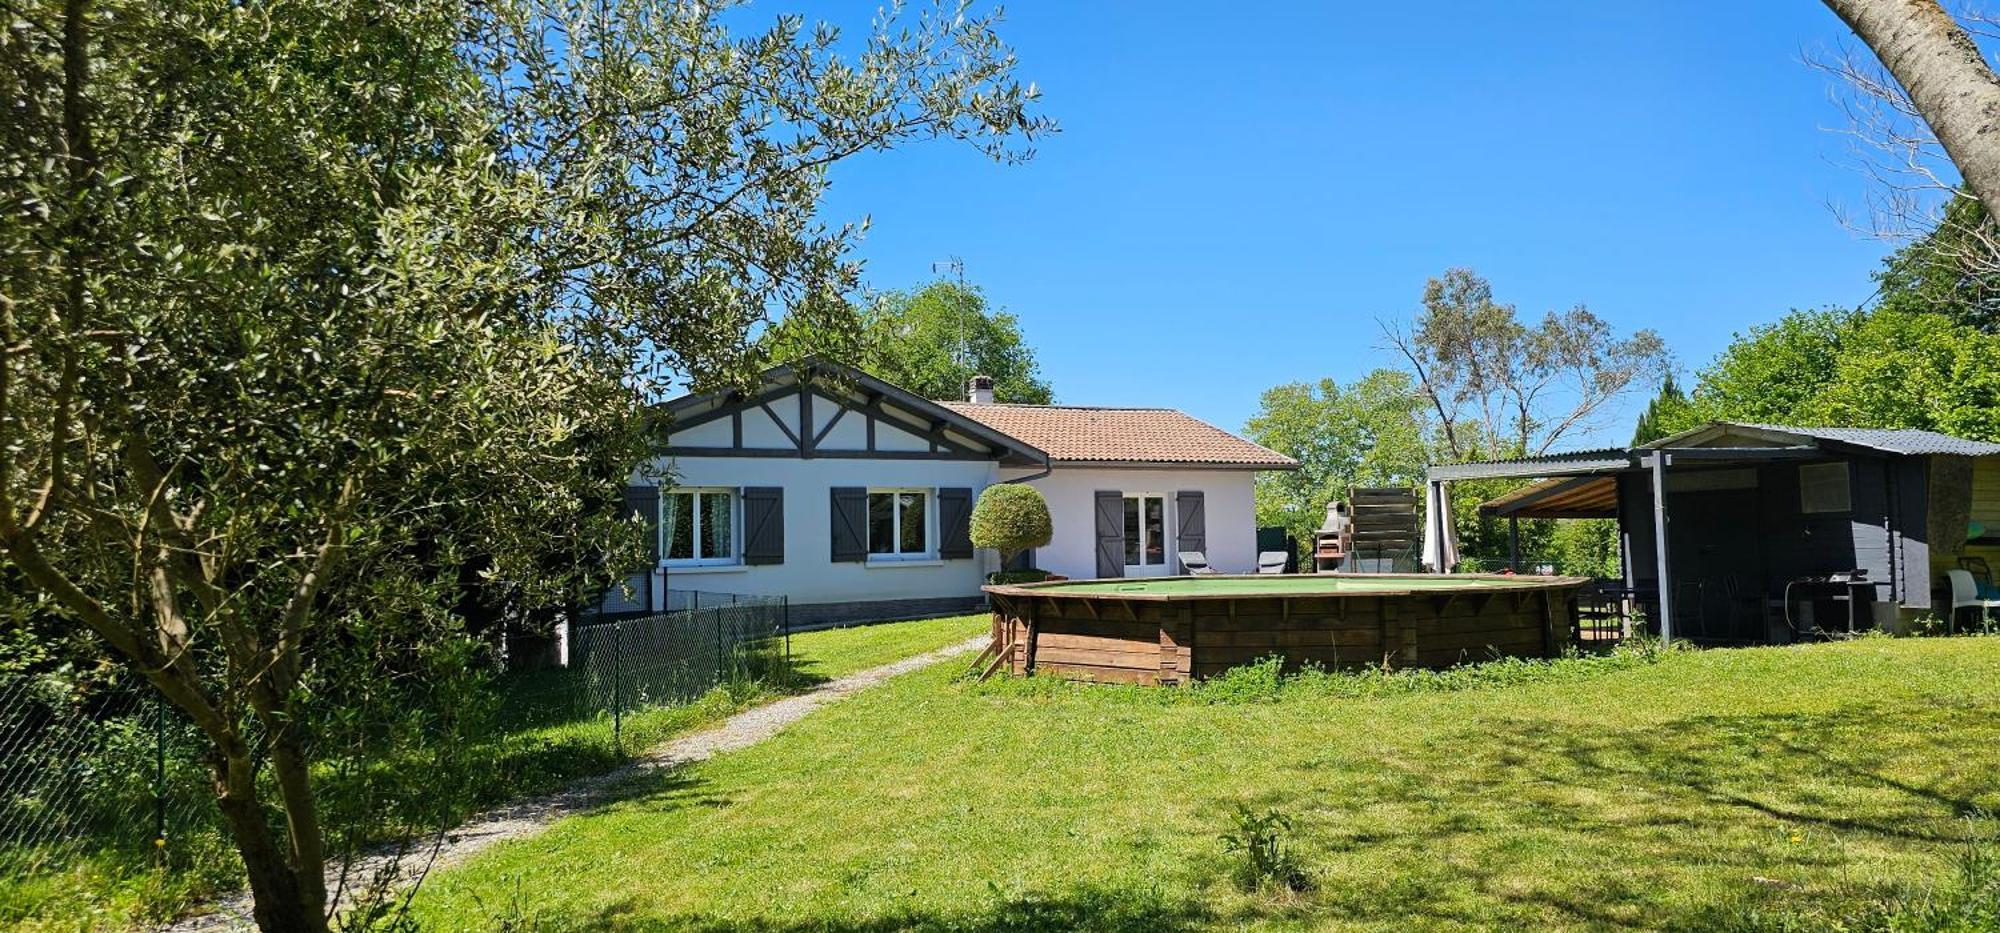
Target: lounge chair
x,y
1965,595
1195,563
1271,561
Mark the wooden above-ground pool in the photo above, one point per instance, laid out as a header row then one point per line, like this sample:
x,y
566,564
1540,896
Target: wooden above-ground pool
x,y
1169,630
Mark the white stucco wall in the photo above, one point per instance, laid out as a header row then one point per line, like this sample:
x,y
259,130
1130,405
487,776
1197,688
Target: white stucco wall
x,y
809,574
1230,507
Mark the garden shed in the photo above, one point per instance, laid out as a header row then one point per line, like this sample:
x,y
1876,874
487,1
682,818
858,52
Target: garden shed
x,y
1750,533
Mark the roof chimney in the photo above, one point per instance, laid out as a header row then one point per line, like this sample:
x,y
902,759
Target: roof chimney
x,y
980,391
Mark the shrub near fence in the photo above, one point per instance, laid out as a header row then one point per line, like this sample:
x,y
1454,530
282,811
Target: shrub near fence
x,y
113,775
111,767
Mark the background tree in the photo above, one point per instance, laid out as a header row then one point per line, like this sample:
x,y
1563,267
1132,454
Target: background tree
x,y
1499,388
1369,433
1948,254
1011,518
291,294
932,341
1953,269
1670,407
1936,74
1881,368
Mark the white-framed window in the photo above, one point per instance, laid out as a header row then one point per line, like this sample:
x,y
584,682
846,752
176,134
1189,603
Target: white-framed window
x,y
1145,530
899,524
1823,488
698,526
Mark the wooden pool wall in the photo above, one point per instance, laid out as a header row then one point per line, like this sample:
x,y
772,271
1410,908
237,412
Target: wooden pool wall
x,y
1172,639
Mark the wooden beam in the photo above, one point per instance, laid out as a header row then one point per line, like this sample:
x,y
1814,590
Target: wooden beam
x,y
821,454
838,414
780,422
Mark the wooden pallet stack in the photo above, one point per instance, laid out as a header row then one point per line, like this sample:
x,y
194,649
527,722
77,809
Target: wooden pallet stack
x,y
1386,529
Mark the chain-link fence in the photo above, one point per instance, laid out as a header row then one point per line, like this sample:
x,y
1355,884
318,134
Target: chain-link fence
x,y
614,667
98,766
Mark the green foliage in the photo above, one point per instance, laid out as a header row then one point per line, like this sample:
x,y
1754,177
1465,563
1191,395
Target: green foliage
x,y
1267,859
1501,388
1586,547
327,321
1882,368
1011,518
1005,577
931,341
1369,433
1953,270
1667,414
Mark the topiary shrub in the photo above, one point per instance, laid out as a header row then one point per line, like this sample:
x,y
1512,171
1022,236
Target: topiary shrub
x,y
1011,518
1006,577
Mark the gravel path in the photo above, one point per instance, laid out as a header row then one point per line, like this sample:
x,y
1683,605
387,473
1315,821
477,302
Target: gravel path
x,y
524,818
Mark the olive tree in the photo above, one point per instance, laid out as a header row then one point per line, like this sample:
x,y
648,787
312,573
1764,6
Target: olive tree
x,y
304,306
1011,518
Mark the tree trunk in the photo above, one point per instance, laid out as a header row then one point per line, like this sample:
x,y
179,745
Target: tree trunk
x,y
278,902
1947,78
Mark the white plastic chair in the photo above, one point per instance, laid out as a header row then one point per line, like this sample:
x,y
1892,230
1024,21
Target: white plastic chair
x,y
1271,561
1965,595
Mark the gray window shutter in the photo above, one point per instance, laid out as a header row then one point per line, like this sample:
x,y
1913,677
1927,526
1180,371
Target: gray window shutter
x,y
763,524
644,502
1110,534
850,524
955,523
1191,523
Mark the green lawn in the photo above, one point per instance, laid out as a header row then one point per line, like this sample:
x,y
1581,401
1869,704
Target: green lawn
x,y
118,889
1691,793
834,653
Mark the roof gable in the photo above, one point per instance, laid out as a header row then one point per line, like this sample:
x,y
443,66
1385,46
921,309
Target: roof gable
x,y
819,408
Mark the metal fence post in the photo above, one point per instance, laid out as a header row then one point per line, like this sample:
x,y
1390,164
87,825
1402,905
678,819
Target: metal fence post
x,y
618,685
160,774
785,618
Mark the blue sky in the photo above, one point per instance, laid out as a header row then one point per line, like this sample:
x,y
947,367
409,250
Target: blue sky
x,y
1240,190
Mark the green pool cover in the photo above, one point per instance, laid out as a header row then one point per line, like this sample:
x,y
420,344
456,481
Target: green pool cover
x,y
1286,585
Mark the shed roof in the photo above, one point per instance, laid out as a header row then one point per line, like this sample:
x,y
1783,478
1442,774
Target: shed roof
x,y
1911,441
1077,434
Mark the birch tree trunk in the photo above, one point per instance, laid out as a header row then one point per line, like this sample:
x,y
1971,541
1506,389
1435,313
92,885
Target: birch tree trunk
x,y
1947,78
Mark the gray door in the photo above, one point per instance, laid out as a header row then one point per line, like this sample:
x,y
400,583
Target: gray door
x,y
1110,534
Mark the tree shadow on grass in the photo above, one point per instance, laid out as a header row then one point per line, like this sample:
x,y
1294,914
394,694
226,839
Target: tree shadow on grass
x,y
1688,824
1094,910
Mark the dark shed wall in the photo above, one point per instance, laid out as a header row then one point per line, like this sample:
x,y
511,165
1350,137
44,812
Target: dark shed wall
x,y
1885,532
1909,503
1635,524
1799,545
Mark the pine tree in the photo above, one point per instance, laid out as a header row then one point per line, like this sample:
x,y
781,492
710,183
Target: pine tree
x,y
1664,415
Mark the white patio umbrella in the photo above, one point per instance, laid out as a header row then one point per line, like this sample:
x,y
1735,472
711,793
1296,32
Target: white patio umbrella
x,y
1440,537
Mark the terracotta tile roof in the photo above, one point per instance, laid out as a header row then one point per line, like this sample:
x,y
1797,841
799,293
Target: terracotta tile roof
x,y
1071,434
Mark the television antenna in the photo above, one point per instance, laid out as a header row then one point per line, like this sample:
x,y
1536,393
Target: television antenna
x,y
956,266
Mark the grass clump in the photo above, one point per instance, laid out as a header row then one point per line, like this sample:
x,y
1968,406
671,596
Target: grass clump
x,y
1266,860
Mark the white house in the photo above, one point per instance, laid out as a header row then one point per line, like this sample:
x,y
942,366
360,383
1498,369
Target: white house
x,y
852,496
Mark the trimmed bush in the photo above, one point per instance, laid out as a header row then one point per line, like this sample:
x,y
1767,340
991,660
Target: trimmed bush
x,y
1011,518
1006,577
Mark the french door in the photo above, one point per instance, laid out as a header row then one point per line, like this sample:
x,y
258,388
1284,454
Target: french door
x,y
1146,535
